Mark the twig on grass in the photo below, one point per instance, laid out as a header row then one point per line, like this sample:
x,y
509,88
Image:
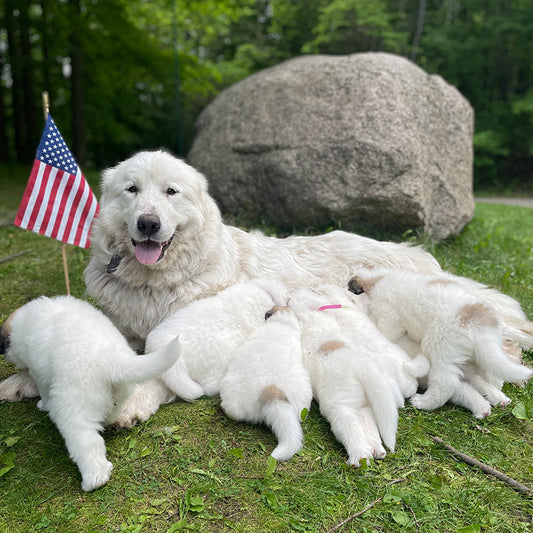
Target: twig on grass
x,y
14,256
344,522
486,469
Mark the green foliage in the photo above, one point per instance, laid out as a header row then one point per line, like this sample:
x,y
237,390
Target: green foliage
x,y
150,67
348,25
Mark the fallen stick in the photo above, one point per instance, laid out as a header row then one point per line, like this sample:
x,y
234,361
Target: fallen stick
x,y
487,469
344,522
14,256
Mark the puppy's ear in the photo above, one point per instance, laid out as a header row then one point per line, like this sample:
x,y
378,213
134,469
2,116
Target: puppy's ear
x,y
5,334
4,341
4,337
356,285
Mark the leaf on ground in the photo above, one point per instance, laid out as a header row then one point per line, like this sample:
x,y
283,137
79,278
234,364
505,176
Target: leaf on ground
x,y
520,411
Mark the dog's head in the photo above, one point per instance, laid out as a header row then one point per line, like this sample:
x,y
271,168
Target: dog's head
x,y
150,202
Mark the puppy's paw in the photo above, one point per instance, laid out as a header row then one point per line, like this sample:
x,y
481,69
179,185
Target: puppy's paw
x,y
97,475
124,422
379,452
482,414
420,402
356,461
143,403
41,405
17,387
497,398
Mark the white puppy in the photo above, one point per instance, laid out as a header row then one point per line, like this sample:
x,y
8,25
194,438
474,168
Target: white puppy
x,y
266,381
84,370
393,362
358,400
211,329
455,329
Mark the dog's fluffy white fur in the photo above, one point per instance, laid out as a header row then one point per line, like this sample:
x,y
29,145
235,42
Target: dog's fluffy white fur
x,y
83,369
155,207
210,330
356,374
459,333
229,348
266,382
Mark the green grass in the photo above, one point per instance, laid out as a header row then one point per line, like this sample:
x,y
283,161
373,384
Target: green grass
x,y
191,468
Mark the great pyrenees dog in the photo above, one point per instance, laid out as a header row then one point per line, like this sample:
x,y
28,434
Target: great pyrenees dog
x,y
83,369
359,378
159,243
266,381
455,330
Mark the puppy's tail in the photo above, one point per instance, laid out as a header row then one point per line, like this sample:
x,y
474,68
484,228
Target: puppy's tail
x,y
383,399
519,331
177,379
482,325
492,357
281,416
144,367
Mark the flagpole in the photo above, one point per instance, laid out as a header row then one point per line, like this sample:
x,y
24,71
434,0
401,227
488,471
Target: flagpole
x,y
46,111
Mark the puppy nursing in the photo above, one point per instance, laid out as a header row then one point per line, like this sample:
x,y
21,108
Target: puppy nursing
x,y
354,395
211,329
83,369
266,381
461,336
255,366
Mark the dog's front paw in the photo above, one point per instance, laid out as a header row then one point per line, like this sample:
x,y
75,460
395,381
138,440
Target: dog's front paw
x,y
17,387
356,461
420,402
143,403
97,475
497,397
482,413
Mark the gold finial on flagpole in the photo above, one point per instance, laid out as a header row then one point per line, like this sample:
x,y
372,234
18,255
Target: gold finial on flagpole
x,y
46,111
46,105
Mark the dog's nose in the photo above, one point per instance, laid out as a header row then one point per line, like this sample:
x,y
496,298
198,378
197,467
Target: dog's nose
x,y
148,224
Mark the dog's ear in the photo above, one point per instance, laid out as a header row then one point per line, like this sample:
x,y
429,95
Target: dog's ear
x,y
5,334
355,285
4,338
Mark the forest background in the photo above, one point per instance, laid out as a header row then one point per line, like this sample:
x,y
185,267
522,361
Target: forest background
x,y
126,75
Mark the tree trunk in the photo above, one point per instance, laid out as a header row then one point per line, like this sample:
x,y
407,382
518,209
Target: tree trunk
x,y
33,132
15,61
79,125
4,140
419,28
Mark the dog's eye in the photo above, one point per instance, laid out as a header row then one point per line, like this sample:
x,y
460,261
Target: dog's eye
x,y
171,191
132,189
268,314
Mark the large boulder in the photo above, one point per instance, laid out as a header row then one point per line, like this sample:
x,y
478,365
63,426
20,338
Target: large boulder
x,y
366,139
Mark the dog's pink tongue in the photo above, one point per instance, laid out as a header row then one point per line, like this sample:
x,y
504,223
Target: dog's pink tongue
x,y
147,252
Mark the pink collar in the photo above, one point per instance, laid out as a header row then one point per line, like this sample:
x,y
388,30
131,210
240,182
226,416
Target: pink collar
x,y
332,306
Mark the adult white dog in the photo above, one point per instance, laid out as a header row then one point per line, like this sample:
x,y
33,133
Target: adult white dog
x,y
159,243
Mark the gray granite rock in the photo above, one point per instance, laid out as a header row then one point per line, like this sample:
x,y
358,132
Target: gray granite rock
x,y
368,138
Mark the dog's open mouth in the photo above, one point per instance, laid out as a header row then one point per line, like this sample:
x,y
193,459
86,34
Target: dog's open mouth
x,y
149,252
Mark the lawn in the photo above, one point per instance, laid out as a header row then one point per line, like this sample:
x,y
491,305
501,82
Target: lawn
x,y
190,468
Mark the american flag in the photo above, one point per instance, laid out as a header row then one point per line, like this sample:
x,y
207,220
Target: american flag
x,y
58,202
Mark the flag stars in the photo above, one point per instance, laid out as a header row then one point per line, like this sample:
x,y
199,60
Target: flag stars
x,y
54,151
